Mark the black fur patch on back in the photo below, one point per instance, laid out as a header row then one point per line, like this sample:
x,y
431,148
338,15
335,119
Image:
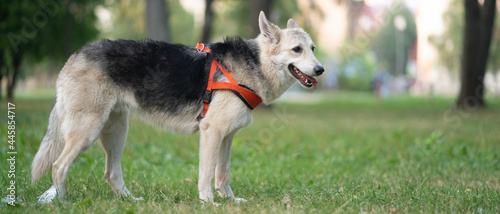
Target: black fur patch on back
x,y
162,76
242,51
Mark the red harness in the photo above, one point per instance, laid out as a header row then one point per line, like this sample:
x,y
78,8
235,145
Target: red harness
x,y
246,95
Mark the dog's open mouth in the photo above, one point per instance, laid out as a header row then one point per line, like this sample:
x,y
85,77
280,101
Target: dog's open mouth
x,y
304,79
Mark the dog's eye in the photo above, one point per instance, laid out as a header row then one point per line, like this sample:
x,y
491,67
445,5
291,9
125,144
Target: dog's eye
x,y
312,48
297,49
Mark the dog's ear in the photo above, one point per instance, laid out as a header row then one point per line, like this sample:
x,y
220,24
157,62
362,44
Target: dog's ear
x,y
271,32
292,24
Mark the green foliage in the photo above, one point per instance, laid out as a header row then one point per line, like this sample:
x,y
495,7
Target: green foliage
x,y
237,24
182,25
349,153
42,34
494,57
128,20
39,30
356,69
284,10
391,44
232,19
449,45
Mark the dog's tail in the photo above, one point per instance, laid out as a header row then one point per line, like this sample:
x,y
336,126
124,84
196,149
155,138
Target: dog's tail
x,y
50,148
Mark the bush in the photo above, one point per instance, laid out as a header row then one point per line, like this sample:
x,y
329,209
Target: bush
x,y
356,71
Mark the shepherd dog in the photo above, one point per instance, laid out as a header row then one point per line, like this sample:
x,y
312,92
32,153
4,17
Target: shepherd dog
x,y
165,84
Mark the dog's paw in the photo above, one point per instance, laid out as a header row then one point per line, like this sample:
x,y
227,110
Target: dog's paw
x,y
239,200
206,203
209,202
48,196
137,199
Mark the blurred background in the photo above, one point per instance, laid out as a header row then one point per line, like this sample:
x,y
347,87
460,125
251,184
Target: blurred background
x,y
381,134
379,47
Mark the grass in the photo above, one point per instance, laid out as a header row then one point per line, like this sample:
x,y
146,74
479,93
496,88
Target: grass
x,y
347,153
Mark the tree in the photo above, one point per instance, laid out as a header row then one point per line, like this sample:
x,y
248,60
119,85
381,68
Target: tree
x,y
157,20
37,31
128,20
450,44
207,23
257,6
1,71
479,22
241,13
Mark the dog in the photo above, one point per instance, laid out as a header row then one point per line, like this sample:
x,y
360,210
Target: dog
x,y
165,84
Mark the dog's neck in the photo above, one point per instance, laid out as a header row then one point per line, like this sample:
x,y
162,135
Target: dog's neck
x,y
251,65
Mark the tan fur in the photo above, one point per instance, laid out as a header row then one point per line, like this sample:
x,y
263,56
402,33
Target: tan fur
x,y
89,105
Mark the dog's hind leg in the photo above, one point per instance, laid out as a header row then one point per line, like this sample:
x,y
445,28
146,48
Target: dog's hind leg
x,y
81,125
222,169
82,130
113,138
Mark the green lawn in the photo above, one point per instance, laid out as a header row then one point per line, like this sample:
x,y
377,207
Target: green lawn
x,y
348,153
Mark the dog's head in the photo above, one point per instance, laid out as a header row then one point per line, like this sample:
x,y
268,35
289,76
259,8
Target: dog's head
x,y
292,50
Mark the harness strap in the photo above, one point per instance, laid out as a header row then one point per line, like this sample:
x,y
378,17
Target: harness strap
x,y
246,95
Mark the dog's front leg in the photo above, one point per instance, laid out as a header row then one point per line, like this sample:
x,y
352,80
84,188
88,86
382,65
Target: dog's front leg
x,y
223,168
210,143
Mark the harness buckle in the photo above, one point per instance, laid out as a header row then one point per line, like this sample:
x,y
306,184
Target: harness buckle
x,y
207,97
200,49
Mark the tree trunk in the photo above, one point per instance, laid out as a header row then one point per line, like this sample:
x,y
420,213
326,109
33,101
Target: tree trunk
x,y
207,25
68,31
1,71
477,39
157,20
11,82
257,6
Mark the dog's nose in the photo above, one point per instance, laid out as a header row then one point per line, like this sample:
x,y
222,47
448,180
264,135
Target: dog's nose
x,y
318,69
